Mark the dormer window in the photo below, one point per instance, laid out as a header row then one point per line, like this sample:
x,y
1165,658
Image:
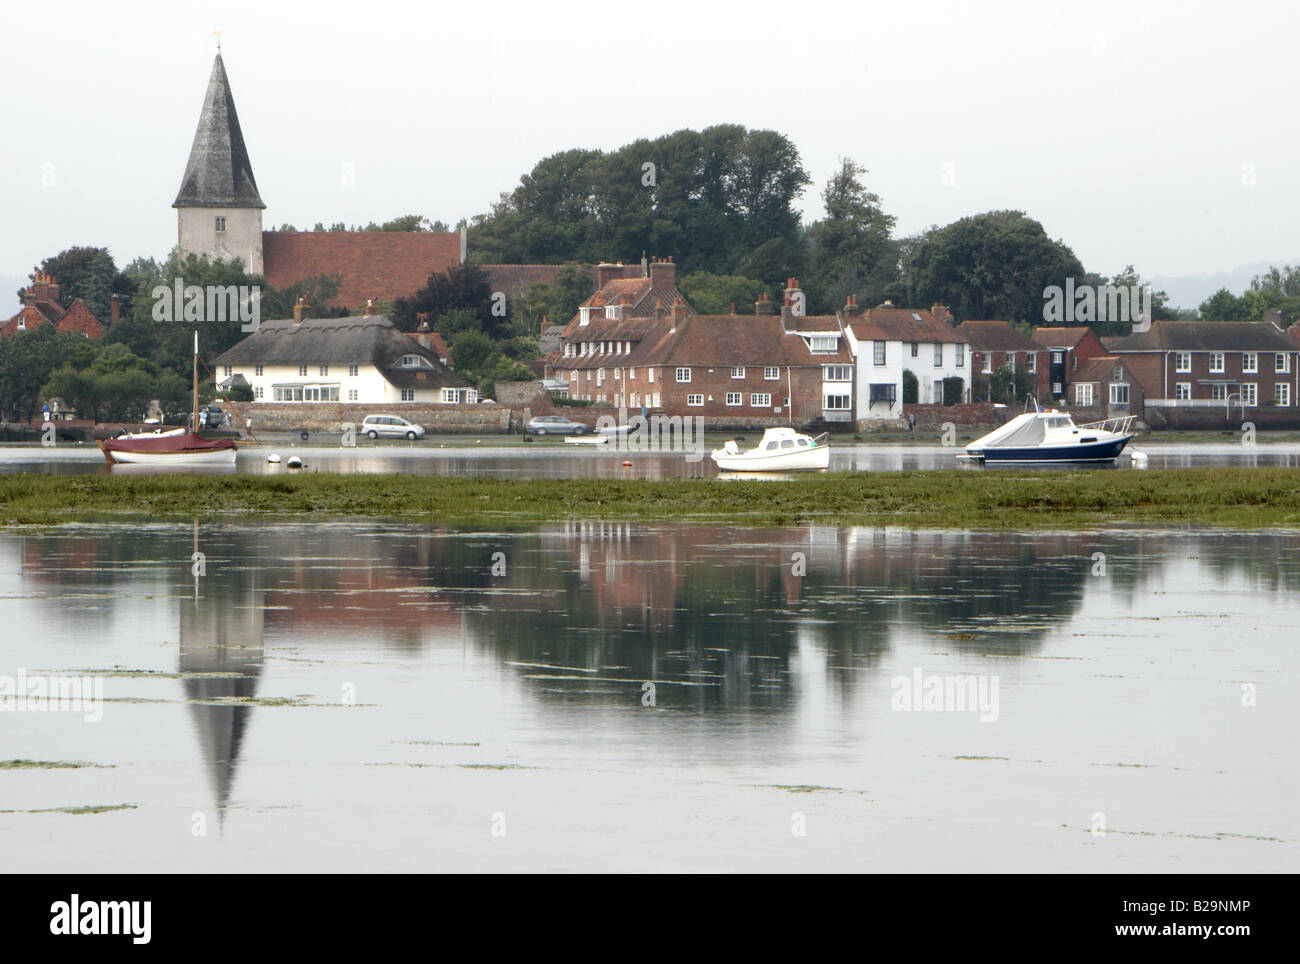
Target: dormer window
x,y
614,311
584,316
823,343
221,224
412,361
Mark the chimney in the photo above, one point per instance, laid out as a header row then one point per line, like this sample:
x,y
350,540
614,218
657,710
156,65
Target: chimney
x,y
114,310
663,273
606,272
422,333
792,294
942,313
679,312
40,287
763,306
1274,317
301,308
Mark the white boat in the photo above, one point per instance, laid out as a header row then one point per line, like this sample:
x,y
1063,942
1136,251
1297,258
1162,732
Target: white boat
x,y
1046,436
586,439
781,450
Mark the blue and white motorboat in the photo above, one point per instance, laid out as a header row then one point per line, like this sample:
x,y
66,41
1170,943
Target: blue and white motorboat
x,y
1046,436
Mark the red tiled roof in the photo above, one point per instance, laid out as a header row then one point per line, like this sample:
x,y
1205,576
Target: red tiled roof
x,y
903,324
995,336
79,319
1061,337
374,264
750,340
1096,369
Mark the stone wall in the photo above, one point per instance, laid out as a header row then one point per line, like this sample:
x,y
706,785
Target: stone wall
x,y
329,416
982,416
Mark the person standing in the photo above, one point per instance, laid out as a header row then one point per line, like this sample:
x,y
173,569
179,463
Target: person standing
x,y
911,422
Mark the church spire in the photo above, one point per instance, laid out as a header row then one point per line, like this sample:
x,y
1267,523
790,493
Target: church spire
x,y
219,173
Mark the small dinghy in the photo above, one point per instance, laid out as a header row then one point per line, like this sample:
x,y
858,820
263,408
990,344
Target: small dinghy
x,y
781,450
1041,436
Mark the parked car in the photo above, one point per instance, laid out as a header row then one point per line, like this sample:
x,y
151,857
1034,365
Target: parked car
x,y
391,426
555,425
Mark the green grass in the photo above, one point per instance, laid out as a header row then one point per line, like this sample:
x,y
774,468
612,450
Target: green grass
x,y
1030,498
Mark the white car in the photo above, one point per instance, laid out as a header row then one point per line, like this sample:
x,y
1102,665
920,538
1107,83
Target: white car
x,y
391,426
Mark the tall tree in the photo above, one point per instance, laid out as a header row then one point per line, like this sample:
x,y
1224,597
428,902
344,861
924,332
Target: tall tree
x,y
852,251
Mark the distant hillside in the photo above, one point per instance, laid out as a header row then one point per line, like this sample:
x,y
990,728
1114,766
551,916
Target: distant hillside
x,y
1189,290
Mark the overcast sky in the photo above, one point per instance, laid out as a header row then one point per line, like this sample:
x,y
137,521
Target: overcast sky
x,y
1159,133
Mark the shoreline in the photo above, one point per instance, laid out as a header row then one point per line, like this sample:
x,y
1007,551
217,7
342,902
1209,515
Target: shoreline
x,y
1228,497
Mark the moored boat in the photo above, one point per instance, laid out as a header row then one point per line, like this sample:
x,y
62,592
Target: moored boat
x,y
181,446
1045,436
781,450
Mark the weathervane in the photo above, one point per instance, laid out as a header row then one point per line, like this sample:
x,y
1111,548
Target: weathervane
x,y
218,36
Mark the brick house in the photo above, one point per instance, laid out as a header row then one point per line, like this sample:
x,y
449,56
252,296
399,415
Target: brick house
x,y
886,341
995,345
1068,348
41,307
627,349
1105,387
1210,364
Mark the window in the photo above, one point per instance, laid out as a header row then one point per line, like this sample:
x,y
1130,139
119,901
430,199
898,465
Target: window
x,y
1216,361
568,351
225,370
1282,393
352,394
771,374
987,365
837,373
408,394
302,371
738,371
220,224
733,398
1117,373
631,373
450,396
836,403
324,370
877,352
1083,395
1282,362
916,349
411,361
1011,361
883,392
760,400
960,353
618,374
1183,361
1056,388
938,354
1119,393
1249,395
257,370
1032,361
1249,362
257,392
1058,358
824,343
683,375
1219,393
695,400
1183,391
354,370
600,376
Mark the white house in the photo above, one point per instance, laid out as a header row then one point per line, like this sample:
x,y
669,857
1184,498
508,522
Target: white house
x,y
887,341
359,359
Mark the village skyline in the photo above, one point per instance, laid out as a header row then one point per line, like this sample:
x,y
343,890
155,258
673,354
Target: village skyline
x,y
366,155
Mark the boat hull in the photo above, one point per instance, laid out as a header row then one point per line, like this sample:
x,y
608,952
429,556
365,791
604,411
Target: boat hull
x,y
186,449
1101,451
798,461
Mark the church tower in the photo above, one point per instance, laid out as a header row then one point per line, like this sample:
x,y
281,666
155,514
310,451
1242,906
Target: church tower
x,y
218,209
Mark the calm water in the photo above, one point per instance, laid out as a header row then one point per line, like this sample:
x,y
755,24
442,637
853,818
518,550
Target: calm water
x,y
557,460
364,697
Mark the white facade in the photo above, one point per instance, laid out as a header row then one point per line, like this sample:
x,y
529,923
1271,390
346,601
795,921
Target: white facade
x,y
361,384
880,364
224,233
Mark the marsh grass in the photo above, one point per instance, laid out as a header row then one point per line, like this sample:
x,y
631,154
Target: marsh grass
x,y
1030,498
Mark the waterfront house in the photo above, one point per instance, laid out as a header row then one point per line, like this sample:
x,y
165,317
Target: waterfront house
x,y
1104,387
1067,348
886,341
996,344
361,359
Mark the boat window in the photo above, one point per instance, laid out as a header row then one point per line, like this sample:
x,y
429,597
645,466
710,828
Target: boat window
x,y
1058,422
772,445
788,444
803,442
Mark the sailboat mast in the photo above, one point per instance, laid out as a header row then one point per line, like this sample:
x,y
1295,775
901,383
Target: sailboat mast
x,y
196,380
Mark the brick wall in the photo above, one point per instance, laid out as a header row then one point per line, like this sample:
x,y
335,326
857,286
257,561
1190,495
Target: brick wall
x,y
974,415
1215,419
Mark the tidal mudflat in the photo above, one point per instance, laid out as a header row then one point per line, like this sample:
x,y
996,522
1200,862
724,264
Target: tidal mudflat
x,y
635,695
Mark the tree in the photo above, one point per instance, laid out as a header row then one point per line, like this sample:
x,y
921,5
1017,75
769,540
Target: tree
x,y
992,265
1223,305
462,287
851,250
911,387
716,294
90,274
557,302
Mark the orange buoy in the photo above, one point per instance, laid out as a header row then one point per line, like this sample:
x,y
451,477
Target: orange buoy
x,y
627,464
